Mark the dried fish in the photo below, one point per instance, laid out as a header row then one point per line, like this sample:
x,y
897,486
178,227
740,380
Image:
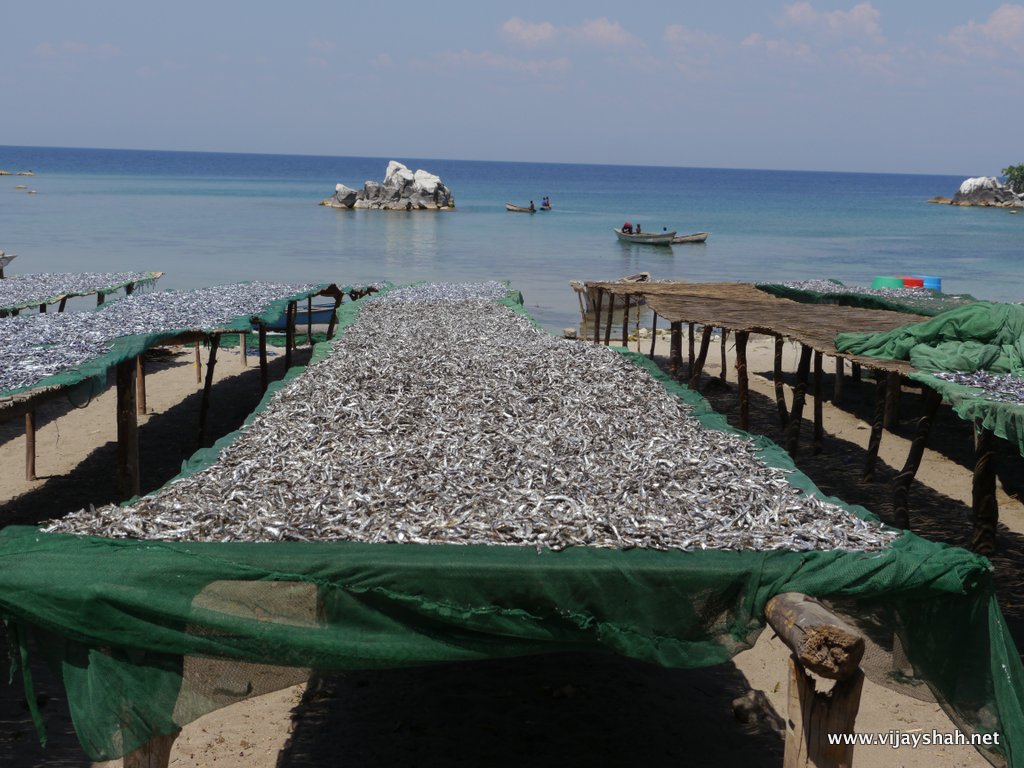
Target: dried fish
x,y
444,417
26,290
999,388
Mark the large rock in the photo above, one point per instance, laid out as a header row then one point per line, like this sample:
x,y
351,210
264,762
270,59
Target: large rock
x,y
401,190
986,191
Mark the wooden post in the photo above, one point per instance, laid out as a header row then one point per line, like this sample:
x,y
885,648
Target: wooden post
x,y
597,315
334,316
30,446
608,322
855,372
877,424
819,427
654,335
892,401
826,645
901,485
309,318
242,348
156,753
742,382
799,396
129,289
780,388
692,356
625,321
100,298
837,393
702,356
140,385
204,407
63,303
984,507
675,353
127,432
264,373
42,308
199,365
289,334
725,337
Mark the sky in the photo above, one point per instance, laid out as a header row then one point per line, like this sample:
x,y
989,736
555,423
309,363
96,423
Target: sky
x,y
898,86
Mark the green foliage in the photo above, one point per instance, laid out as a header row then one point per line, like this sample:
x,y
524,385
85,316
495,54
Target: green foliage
x,y
1014,177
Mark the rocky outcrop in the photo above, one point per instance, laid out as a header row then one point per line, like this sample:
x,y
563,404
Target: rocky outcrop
x,y
401,190
986,191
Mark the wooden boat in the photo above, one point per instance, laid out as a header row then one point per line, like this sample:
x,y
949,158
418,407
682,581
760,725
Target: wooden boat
x,y
646,238
696,237
544,208
512,208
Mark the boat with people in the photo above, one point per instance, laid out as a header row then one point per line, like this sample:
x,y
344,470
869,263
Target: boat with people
x,y
545,203
513,208
695,237
628,235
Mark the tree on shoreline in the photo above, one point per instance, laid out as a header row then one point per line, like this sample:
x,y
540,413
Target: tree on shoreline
x,y
1014,177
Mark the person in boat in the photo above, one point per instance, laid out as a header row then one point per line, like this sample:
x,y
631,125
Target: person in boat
x,y
627,228
531,207
638,229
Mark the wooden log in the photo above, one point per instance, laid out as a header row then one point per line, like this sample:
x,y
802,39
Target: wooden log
x,y
264,373
742,381
702,356
799,396
242,349
199,365
156,753
608,322
334,315
597,316
30,446
675,353
819,640
204,407
892,401
985,506
625,322
724,365
901,485
811,716
837,392
819,426
127,432
140,385
780,387
654,334
877,424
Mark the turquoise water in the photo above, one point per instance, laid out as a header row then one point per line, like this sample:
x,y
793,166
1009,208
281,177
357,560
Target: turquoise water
x,y
210,218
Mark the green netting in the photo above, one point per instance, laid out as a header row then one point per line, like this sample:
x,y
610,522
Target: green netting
x,y
983,336
933,304
149,635
124,348
102,290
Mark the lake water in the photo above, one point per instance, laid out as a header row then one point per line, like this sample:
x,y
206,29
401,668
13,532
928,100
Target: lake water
x,y
212,218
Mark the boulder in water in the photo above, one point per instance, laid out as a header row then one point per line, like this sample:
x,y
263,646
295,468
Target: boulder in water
x,y
401,190
986,191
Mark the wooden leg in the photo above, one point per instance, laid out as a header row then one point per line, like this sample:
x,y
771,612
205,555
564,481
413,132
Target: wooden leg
x,y
264,373
724,366
597,316
799,396
742,382
811,716
985,507
625,322
892,401
127,432
702,356
156,753
780,387
654,335
242,349
199,366
837,393
289,335
140,385
901,485
675,354
309,317
30,446
204,407
819,427
608,322
692,356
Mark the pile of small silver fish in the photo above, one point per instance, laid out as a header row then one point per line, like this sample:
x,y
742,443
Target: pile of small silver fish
x,y
35,346
19,290
827,286
444,417
999,388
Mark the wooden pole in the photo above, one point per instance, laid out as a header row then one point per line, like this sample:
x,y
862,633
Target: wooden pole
x,y
264,373
597,315
654,334
289,334
204,407
901,485
129,289
625,322
724,366
30,446
780,389
334,315
855,372
309,317
675,352
819,427
199,365
702,356
877,424
42,308
242,348
608,322
820,640
984,507
100,298
692,355
742,382
63,303
155,753
127,432
140,385
892,401
837,393
799,396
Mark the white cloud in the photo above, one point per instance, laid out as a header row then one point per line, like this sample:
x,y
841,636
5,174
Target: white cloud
x,y
784,48
493,61
529,34
859,21
1004,31
604,33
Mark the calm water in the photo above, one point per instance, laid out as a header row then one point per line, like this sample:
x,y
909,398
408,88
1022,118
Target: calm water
x,y
210,218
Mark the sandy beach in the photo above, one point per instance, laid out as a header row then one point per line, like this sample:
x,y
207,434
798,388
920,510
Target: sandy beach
x,y
579,709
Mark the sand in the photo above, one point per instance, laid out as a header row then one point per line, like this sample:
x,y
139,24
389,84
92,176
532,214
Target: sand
x,y
577,709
